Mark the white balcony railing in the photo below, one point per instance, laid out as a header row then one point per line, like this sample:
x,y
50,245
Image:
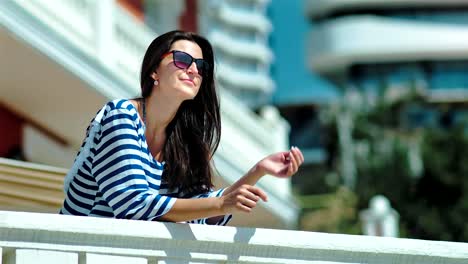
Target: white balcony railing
x,y
236,47
377,39
33,238
244,18
318,8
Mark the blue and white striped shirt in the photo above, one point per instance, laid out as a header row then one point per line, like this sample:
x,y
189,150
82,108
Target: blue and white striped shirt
x,y
114,175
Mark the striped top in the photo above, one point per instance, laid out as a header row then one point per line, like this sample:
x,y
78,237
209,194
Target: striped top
x,y
115,175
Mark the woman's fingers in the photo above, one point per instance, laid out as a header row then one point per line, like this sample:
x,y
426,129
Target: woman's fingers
x,y
296,159
296,152
282,164
240,206
258,192
249,195
244,199
286,156
299,155
294,162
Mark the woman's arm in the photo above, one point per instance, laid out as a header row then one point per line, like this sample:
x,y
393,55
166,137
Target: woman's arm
x,y
214,208
243,198
189,209
242,195
281,165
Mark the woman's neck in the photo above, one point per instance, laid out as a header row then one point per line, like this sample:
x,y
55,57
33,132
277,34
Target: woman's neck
x,y
160,111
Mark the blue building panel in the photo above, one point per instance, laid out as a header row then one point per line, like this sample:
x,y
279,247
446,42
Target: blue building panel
x,y
295,82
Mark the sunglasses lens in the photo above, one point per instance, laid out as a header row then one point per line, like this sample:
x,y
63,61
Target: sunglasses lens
x,y
182,60
202,66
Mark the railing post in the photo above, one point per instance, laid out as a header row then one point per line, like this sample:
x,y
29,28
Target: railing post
x,y
380,219
38,256
102,258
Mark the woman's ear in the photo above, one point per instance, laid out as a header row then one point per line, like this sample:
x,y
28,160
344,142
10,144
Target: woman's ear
x,y
154,75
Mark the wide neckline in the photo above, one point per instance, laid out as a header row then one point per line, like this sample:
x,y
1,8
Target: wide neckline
x,y
143,125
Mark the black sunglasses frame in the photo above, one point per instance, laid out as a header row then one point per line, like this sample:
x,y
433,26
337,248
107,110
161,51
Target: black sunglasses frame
x,y
202,65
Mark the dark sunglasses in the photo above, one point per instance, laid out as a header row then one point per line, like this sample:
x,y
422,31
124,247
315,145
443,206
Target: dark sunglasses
x,y
183,60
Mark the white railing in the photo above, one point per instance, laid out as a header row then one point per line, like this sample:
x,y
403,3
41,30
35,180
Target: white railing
x,y
244,18
46,238
398,40
237,47
317,8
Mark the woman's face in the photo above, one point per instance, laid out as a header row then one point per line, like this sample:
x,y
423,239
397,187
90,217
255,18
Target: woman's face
x,y
174,81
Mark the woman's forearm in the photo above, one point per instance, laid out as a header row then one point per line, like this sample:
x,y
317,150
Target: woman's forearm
x,y
250,178
190,209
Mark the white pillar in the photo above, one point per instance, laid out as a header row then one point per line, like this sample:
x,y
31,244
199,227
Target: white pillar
x,y
380,219
104,24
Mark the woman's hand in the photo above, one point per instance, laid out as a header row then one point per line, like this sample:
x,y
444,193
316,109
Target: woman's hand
x,y
243,198
282,164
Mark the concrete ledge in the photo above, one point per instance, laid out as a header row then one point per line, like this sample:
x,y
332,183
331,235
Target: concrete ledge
x,y
155,241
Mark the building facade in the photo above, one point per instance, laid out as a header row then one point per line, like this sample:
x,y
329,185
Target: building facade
x,y
239,31
366,43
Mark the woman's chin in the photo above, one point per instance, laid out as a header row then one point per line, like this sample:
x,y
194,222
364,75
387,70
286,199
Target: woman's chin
x,y
188,93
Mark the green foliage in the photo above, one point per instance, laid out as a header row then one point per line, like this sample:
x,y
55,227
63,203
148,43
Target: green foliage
x,y
422,170
333,213
440,199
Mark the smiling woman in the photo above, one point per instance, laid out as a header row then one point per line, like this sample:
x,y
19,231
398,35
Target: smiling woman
x,y
150,158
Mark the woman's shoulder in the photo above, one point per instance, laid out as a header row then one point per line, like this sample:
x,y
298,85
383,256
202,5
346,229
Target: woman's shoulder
x,y
120,104
121,107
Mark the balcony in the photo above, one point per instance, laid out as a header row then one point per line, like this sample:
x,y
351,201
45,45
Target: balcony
x,y
232,45
28,238
243,18
322,8
338,44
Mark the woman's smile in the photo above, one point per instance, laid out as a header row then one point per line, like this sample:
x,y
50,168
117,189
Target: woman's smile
x,y
189,81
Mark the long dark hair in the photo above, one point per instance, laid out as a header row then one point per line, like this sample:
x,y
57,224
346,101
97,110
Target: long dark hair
x,y
193,135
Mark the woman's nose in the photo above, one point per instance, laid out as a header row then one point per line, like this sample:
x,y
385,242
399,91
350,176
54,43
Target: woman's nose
x,y
192,68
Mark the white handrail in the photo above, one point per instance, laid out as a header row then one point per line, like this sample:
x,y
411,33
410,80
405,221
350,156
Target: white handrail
x,y
39,235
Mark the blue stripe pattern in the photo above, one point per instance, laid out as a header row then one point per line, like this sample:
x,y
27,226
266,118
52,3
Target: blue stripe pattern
x,y
120,178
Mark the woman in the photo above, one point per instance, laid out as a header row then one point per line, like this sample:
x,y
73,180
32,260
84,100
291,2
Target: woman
x,y
150,158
